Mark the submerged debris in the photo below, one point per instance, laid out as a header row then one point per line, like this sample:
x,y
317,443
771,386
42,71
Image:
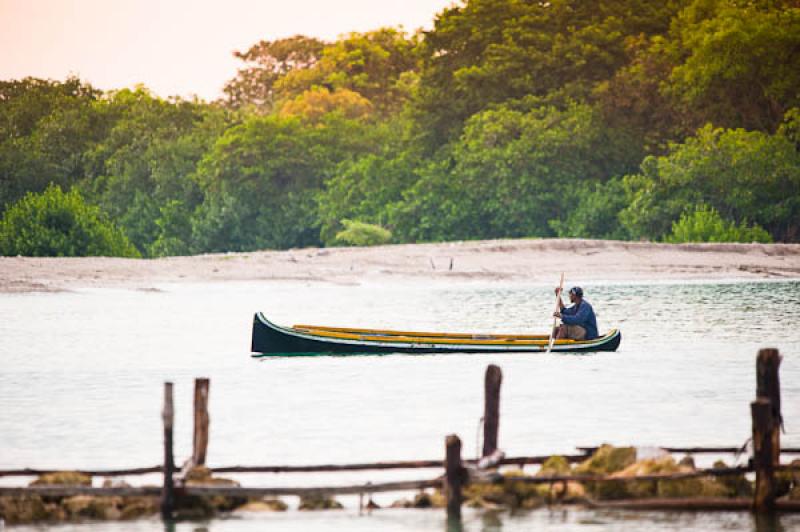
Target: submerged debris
x,y
63,478
423,499
319,501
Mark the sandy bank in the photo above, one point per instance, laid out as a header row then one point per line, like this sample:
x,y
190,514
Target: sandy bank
x,y
498,260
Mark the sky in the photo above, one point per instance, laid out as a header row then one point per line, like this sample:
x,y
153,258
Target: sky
x,y
175,47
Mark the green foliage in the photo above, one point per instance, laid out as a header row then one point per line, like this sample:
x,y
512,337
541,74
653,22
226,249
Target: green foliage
x,y
313,105
261,179
364,187
54,223
595,214
736,62
357,233
373,64
267,62
489,51
705,224
510,118
744,175
517,167
45,129
148,160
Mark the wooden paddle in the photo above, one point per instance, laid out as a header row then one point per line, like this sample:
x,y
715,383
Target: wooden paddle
x,y
555,320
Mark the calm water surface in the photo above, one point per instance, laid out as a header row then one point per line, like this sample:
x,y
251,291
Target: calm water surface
x,y
81,377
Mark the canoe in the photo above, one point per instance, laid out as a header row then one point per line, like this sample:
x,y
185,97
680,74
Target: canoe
x,y
275,340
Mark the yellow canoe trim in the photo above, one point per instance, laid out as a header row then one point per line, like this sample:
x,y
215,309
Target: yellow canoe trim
x,y
440,339
427,339
419,334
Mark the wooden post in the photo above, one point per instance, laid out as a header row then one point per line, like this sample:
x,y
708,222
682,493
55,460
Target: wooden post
x,y
491,408
454,476
764,494
201,421
768,387
168,491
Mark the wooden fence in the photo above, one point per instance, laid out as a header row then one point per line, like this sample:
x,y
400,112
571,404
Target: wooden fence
x,y
458,473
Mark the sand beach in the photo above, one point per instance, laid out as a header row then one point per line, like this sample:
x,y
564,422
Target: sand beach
x,y
531,260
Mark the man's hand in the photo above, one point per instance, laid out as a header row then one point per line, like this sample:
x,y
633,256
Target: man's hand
x,y
556,314
558,291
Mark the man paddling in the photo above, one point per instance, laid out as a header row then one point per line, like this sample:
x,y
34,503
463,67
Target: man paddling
x,y
578,321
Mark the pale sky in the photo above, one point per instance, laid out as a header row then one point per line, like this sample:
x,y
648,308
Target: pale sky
x,y
175,47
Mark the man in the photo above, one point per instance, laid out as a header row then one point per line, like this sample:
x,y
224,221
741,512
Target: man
x,y
578,321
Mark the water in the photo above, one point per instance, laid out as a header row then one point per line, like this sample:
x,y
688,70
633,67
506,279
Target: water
x,y
82,373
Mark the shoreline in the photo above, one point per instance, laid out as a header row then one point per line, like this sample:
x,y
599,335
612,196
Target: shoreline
x,y
533,260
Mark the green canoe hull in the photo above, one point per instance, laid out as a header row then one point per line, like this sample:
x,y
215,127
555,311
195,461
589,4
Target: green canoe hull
x,y
270,339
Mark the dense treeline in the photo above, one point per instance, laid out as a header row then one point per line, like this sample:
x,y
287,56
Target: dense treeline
x,y
675,121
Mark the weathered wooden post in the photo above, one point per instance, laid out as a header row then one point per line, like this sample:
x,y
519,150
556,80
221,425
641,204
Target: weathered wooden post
x,y
201,421
453,476
491,408
168,490
768,387
764,494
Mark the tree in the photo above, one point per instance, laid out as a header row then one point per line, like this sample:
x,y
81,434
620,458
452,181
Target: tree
x,y
268,61
45,129
595,214
736,63
516,167
374,64
490,51
261,179
367,183
744,175
54,223
314,104
146,162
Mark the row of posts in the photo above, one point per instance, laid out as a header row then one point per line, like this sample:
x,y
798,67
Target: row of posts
x,y
767,422
765,411
199,441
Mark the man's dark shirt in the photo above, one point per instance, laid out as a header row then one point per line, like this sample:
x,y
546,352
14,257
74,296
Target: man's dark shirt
x,y
581,314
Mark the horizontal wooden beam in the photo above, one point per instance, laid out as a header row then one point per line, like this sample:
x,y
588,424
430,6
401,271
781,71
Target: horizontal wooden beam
x,y
700,450
414,464
28,472
211,490
231,491
69,491
718,472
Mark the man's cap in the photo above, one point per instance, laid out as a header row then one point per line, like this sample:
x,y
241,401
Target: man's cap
x,y
577,290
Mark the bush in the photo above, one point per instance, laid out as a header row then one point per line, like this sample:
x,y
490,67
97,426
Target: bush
x,y
58,224
705,224
357,233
